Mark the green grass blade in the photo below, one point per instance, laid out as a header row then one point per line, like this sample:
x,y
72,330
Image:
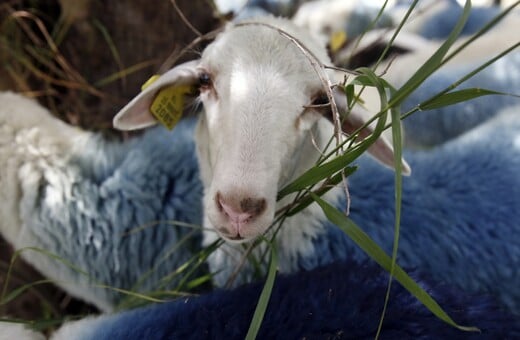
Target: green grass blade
x,y
398,153
193,284
433,63
17,253
397,30
318,173
377,254
261,307
459,96
130,293
18,291
307,200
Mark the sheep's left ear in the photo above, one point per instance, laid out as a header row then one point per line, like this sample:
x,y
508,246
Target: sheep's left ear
x,y
137,115
381,150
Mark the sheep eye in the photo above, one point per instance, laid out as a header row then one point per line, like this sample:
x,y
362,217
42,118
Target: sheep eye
x,y
204,81
320,100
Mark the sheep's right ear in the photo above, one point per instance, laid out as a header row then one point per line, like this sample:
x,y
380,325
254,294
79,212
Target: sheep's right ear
x,y
381,150
136,114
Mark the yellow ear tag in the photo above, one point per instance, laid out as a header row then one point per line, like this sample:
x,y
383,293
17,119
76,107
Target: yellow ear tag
x,y
337,40
149,81
168,104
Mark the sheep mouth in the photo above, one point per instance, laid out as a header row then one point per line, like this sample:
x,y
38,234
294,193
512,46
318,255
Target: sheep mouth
x,y
237,238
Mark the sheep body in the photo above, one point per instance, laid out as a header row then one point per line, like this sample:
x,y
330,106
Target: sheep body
x,y
83,198
342,301
440,25
429,128
13,330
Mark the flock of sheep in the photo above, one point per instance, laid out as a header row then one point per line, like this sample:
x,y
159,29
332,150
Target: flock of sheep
x,y
126,212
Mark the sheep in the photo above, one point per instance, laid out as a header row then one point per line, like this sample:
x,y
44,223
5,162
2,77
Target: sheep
x,y
430,19
11,330
429,128
324,18
255,136
342,300
458,216
243,120
436,19
443,22
82,197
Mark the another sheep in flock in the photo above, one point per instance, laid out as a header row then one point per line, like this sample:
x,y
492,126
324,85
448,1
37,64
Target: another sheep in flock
x,y
339,301
430,128
84,198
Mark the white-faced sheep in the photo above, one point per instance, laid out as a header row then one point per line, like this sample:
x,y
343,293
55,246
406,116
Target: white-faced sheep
x,y
259,130
255,136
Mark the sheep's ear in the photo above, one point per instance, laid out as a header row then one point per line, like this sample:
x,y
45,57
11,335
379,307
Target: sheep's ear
x,y
137,114
370,48
381,150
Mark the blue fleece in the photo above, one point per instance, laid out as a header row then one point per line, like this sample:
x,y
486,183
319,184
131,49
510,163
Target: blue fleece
x,y
429,128
110,193
339,301
460,211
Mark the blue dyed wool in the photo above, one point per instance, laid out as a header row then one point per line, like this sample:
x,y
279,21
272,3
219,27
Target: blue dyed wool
x,y
118,222
339,301
440,25
459,212
429,128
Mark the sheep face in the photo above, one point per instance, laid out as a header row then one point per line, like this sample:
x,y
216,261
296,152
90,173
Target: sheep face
x,y
254,128
258,131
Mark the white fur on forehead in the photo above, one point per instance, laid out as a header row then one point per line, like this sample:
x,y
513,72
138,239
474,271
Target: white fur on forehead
x,y
258,44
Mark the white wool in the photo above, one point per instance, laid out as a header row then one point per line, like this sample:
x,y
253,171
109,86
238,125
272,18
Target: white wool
x,y
17,331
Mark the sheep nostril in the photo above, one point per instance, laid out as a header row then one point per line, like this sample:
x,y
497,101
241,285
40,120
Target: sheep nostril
x,y
253,206
240,210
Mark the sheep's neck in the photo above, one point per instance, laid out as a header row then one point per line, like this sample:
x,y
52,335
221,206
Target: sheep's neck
x,y
296,233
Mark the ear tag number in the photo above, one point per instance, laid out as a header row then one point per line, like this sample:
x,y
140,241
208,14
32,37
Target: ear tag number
x,y
168,104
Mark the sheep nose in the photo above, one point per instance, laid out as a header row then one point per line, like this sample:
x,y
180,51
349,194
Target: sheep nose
x,y
239,211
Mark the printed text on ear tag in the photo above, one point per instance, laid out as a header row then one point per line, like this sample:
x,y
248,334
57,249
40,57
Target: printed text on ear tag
x,y
168,104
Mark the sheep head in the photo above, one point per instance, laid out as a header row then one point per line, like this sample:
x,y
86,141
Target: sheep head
x,y
256,132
